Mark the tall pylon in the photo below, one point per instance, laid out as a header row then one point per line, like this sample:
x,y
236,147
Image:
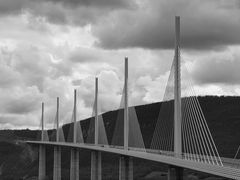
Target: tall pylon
x,y
96,113
74,164
126,117
42,122
177,91
177,174
57,151
125,162
42,152
96,156
96,165
75,117
57,118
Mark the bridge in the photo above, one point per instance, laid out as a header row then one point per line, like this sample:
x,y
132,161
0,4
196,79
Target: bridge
x,y
181,140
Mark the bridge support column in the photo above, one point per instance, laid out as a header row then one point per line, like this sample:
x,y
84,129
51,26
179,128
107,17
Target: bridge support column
x,y
125,168
42,162
175,173
74,166
96,165
57,163
42,152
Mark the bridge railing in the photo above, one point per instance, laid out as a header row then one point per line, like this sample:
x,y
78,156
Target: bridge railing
x,y
235,163
231,162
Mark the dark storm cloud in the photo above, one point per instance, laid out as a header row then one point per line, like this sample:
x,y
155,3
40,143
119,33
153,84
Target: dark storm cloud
x,y
96,3
12,6
118,24
204,25
78,12
74,12
15,7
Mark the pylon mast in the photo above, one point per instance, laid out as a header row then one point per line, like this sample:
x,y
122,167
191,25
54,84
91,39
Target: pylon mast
x,y
126,120
42,122
177,91
75,117
57,133
96,111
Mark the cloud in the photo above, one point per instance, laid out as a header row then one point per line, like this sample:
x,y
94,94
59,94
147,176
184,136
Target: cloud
x,y
13,121
217,68
10,77
20,107
204,25
154,88
110,89
146,24
86,55
218,89
65,11
12,6
96,3
47,49
22,100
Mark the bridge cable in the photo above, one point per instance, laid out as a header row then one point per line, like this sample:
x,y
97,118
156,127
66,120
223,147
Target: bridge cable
x,y
206,132
209,137
163,134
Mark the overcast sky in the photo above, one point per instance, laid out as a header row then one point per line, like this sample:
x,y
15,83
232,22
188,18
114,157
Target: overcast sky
x,y
50,47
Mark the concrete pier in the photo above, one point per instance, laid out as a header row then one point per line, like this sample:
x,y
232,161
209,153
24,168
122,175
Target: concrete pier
x,y
175,173
57,163
57,151
42,162
74,166
42,152
125,168
96,165
74,162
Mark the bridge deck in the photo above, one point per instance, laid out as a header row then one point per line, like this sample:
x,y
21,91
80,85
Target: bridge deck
x,y
228,170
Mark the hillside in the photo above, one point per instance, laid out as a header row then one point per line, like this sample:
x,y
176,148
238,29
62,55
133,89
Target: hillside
x,y
18,160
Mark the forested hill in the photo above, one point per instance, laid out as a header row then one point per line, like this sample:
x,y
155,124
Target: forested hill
x,y
222,115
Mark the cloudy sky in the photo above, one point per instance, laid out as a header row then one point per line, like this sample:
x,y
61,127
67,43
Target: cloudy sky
x,y
50,47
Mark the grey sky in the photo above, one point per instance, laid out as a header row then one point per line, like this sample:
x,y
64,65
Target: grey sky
x,y
50,47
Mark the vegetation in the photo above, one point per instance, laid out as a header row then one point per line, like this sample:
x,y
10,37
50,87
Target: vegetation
x,y
19,161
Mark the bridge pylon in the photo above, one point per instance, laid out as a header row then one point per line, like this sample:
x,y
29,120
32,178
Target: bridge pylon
x,y
125,162
74,161
57,151
96,165
126,117
177,91
96,156
125,168
74,164
177,172
42,151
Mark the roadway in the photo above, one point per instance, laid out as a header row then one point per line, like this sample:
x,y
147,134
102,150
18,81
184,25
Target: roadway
x,y
228,170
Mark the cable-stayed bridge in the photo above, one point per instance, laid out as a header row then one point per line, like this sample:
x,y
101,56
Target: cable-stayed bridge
x,y
181,138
